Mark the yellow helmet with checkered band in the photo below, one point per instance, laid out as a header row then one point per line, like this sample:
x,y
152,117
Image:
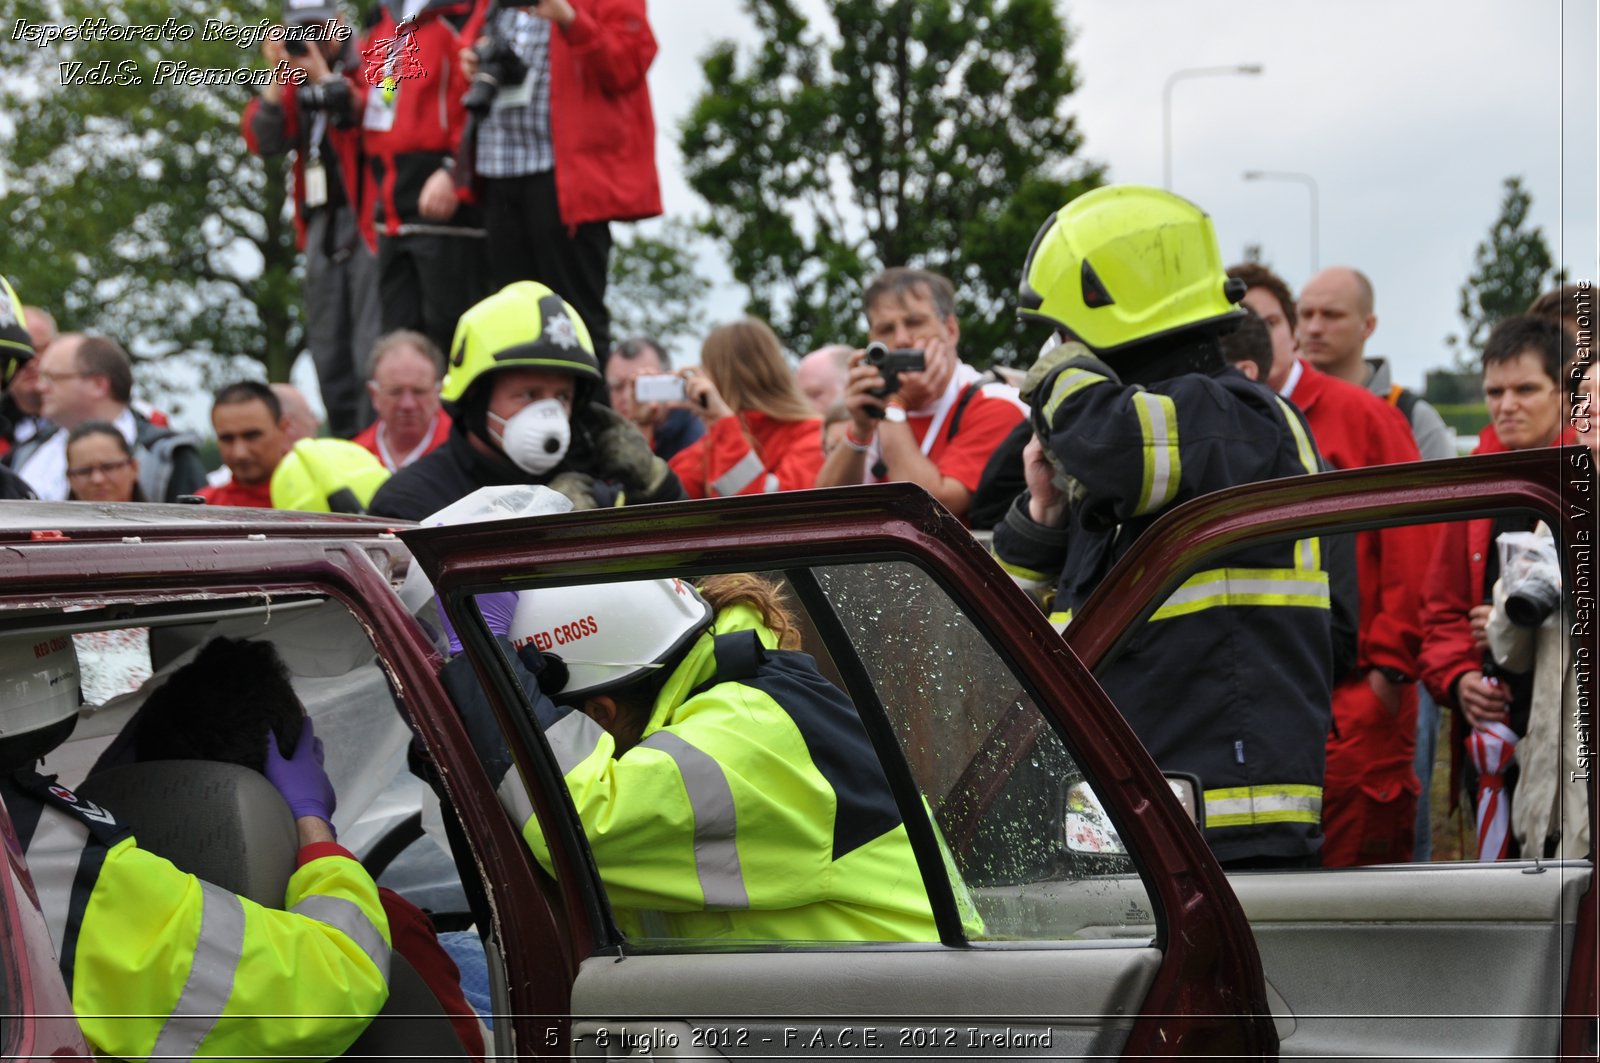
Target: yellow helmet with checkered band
x,y
1125,264
525,325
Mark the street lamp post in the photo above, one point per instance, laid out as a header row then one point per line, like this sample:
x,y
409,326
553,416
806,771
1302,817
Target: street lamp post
x,y
1166,107
1311,186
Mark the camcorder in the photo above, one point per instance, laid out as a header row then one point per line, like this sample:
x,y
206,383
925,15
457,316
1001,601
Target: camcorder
x,y
890,362
499,66
653,387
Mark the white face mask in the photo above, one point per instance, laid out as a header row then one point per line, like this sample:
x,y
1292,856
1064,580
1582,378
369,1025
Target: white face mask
x,y
536,437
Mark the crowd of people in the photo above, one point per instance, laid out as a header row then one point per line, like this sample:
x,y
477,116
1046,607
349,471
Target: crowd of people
x,y
438,216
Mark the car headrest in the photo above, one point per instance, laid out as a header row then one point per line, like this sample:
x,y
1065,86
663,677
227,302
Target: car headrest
x,y
220,822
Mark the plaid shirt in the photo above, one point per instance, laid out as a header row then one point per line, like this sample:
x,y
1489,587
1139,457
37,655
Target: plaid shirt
x,y
515,140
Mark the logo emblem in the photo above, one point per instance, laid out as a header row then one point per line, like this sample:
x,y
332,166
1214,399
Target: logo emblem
x,y
561,333
391,60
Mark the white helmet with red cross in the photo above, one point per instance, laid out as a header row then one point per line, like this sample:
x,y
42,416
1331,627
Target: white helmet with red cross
x,y
610,634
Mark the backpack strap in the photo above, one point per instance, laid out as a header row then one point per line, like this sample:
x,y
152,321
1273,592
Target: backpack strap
x,y
1404,399
961,403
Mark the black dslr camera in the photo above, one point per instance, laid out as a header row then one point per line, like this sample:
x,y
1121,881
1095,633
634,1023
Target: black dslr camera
x,y
890,363
499,66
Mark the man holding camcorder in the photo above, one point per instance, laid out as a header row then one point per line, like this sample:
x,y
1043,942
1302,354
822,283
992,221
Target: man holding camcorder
x,y
917,412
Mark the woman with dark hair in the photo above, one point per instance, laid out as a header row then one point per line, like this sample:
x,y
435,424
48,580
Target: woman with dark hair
x,y
101,466
762,435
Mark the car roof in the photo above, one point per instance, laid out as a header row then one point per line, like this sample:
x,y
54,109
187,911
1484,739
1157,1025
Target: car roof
x,y
43,521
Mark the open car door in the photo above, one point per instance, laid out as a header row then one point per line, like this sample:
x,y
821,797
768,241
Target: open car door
x,y
1043,947
1487,960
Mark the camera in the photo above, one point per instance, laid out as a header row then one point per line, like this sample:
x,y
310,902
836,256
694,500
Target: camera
x,y
890,363
658,388
498,66
295,46
331,94
1531,600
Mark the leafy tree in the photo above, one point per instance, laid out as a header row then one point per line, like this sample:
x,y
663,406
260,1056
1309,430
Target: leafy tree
x,y
655,289
132,204
1509,272
909,132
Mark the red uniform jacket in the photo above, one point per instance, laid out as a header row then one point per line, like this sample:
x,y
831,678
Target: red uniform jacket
x,y
274,131
751,454
1354,429
601,125
234,493
427,116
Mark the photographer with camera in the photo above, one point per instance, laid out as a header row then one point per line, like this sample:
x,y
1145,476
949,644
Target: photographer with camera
x,y
1522,367
565,140
430,230
315,115
917,412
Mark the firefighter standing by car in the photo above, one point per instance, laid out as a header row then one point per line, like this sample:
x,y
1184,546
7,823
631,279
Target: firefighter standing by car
x,y
521,374
1135,411
727,789
157,962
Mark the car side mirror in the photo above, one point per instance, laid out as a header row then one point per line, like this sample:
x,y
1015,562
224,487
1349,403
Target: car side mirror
x,y
1086,829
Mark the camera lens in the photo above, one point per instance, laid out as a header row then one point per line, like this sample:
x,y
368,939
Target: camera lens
x,y
1532,601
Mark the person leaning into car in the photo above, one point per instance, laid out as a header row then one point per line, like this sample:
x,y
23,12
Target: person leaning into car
x,y
157,962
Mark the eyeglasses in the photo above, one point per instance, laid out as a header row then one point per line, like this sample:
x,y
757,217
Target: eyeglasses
x,y
419,394
56,378
86,472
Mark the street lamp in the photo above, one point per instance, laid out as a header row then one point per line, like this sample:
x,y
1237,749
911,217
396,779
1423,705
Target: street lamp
x,y
1166,107
1311,185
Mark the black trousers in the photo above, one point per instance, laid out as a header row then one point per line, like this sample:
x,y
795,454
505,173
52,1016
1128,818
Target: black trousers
x,y
426,281
528,242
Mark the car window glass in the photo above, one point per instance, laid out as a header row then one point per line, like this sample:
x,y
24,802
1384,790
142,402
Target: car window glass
x,y
112,662
1400,769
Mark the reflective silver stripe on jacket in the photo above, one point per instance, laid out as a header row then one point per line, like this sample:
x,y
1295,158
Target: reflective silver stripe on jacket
x,y
572,738
210,983
742,475
514,798
716,854
54,853
1163,465
347,917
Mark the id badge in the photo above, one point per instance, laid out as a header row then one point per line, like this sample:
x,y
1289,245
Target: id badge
x,y
316,186
380,110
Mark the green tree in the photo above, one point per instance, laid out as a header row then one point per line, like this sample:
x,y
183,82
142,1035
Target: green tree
x,y
1510,269
655,289
932,133
132,204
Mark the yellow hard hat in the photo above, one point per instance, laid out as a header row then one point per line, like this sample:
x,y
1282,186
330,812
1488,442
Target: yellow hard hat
x,y
327,476
16,346
523,326
1124,264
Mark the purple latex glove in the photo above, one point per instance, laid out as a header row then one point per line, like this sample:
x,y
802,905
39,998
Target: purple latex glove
x,y
300,778
497,608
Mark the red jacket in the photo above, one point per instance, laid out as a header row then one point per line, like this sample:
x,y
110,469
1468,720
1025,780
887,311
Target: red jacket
x,y
602,127
1355,429
427,115
233,493
757,456
441,431
275,130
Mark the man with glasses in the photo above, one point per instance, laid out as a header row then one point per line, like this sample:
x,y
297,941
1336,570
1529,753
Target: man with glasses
x,y
403,375
90,378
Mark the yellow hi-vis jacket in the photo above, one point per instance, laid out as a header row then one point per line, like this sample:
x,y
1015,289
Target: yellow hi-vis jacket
x,y
753,809
162,964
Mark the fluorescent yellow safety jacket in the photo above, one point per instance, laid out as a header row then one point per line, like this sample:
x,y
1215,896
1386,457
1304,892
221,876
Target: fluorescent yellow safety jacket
x,y
160,963
1230,679
753,808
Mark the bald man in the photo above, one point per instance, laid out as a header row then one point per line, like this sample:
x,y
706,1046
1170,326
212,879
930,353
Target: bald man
x,y
1336,317
822,375
303,423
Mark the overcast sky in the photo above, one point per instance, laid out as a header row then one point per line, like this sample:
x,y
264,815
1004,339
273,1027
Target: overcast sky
x,y
1407,113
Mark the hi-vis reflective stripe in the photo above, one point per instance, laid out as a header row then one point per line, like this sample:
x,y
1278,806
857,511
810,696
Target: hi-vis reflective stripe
x,y
210,982
1248,806
1308,554
1246,586
740,476
1163,468
1059,621
347,917
1068,383
514,799
572,738
1302,442
1026,578
716,854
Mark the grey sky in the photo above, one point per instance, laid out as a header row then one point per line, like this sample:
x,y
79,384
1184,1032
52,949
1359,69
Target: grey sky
x,y
1408,113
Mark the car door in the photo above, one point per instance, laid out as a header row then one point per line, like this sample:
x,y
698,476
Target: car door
x,y
1039,951
1489,960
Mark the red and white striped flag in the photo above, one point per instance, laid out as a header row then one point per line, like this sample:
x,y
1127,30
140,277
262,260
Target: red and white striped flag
x,y
1491,750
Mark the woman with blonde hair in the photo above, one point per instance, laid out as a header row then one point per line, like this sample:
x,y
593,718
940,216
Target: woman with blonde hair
x,y
761,433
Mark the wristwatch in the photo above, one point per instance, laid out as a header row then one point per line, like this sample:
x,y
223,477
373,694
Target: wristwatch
x,y
894,413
